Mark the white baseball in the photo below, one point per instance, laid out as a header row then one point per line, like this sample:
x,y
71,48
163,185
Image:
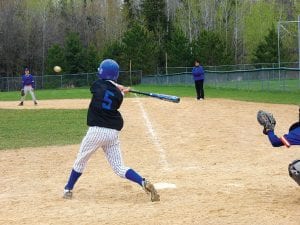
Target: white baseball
x,y
57,69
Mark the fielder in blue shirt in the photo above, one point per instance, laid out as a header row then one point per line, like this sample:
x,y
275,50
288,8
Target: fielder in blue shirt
x,y
28,85
291,138
198,75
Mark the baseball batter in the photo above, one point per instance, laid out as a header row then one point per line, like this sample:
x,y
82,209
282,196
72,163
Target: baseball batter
x,y
291,138
28,85
105,122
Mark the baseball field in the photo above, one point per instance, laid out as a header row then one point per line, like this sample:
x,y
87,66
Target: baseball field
x,y
213,152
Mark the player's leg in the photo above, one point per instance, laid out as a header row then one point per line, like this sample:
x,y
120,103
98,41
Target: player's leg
x,y
197,87
26,90
114,157
90,143
201,90
33,95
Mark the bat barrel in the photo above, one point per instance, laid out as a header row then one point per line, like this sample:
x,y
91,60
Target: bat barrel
x,y
169,98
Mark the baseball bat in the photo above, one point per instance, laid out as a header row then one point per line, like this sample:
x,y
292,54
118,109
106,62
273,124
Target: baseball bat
x,y
169,98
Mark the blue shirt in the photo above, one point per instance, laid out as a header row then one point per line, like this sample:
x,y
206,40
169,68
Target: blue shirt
x,y
198,73
292,138
27,80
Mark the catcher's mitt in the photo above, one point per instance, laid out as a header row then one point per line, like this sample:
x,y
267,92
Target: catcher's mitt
x,y
22,92
267,120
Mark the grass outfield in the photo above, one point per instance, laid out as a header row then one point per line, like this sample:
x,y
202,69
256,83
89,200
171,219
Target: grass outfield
x,y
48,94
41,127
236,94
279,97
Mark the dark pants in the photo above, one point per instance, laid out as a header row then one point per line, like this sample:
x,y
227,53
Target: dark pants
x,y
199,88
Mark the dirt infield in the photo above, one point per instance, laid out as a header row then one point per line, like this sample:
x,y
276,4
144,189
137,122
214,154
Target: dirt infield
x,y
224,168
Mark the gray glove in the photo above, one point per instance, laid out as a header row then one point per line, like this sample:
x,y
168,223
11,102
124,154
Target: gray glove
x,y
267,120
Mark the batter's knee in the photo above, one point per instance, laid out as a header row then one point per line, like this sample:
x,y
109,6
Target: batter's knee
x,y
294,171
80,164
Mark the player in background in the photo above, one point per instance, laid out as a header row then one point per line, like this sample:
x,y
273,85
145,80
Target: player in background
x,y
198,75
28,85
105,122
291,138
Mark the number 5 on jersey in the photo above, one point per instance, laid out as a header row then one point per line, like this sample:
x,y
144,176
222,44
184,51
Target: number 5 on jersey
x,y
106,104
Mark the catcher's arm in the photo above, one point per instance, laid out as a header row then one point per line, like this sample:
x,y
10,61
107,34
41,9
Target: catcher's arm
x,y
275,141
268,122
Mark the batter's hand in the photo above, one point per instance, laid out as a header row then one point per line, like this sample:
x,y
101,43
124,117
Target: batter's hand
x,y
126,89
22,92
123,88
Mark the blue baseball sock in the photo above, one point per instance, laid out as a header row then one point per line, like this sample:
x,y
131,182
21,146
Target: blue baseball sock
x,y
134,176
72,179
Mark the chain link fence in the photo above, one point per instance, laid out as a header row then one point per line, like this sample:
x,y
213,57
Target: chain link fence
x,y
267,79
172,70
67,80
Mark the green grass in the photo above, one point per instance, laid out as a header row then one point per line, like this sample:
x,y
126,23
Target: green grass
x,y
278,97
49,94
267,85
33,128
46,127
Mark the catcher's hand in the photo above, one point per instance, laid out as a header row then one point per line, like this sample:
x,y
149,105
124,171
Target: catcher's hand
x,y
22,92
267,120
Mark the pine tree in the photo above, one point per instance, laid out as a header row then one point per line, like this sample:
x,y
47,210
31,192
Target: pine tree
x,y
92,59
140,47
155,20
74,54
210,49
178,49
267,50
55,58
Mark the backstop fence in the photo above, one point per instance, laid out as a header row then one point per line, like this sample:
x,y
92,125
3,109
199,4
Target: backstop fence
x,y
266,79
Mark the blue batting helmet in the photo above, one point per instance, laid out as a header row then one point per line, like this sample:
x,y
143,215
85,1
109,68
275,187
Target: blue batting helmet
x,y
108,69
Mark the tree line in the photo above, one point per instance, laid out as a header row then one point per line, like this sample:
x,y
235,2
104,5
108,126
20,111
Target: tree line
x,y
142,34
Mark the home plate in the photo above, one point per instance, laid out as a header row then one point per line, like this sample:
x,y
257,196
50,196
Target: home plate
x,y
164,185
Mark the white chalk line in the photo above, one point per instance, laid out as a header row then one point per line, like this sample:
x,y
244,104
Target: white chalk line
x,y
162,153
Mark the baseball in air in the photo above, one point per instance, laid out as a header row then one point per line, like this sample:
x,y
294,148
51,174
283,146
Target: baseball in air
x,y
57,69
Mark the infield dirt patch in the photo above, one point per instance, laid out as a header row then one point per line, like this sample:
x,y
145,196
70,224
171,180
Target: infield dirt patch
x,y
224,169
